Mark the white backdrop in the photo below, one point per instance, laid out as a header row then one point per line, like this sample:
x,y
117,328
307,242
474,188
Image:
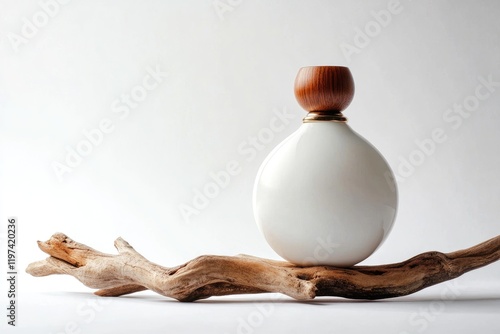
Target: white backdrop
x,y
179,89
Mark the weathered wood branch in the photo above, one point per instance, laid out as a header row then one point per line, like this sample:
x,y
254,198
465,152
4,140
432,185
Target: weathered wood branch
x,y
210,275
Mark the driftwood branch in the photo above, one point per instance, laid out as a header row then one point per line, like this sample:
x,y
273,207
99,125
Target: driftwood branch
x,y
209,275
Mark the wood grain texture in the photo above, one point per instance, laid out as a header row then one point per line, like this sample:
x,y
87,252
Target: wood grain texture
x,y
211,275
324,89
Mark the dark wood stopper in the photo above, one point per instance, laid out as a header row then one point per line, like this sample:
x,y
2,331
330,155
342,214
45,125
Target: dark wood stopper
x,y
324,89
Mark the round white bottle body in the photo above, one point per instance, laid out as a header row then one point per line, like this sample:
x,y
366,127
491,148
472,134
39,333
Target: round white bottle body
x,y
325,196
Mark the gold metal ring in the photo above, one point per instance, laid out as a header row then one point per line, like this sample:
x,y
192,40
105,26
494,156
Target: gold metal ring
x,y
322,117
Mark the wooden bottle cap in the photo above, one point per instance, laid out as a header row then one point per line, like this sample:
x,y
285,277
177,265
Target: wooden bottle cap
x,y
324,91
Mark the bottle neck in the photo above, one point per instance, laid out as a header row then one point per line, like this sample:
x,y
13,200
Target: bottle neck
x,y
324,116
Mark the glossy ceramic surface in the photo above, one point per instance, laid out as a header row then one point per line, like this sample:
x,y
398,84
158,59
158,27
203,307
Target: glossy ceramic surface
x,y
325,196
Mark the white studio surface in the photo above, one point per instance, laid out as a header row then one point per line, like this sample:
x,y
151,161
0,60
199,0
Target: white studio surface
x,y
144,119
74,312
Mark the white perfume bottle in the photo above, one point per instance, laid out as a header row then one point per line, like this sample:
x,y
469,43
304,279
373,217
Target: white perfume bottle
x,y
325,196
